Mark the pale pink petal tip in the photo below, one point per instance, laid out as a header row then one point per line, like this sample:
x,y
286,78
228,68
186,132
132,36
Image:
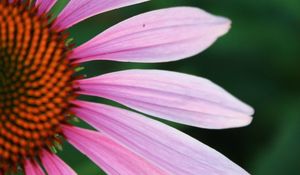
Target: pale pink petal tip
x,y
160,144
79,10
54,165
45,5
33,168
109,155
157,36
172,96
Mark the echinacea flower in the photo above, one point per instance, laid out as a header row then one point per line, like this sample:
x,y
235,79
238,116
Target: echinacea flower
x,y
38,91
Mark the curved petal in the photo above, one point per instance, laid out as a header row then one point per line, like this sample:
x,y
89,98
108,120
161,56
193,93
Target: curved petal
x,y
77,11
33,168
172,96
107,154
157,36
45,5
164,146
54,165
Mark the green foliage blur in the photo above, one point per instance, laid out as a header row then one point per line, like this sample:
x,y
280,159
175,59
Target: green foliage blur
x,y
258,61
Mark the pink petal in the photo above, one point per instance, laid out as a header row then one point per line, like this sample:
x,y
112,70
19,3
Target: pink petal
x,y
77,11
172,96
54,165
107,154
45,5
162,145
33,168
157,36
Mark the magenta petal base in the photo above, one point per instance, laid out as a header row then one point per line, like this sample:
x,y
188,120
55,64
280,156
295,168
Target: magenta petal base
x,y
39,90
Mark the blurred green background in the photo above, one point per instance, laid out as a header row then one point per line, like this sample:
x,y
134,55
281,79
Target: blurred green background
x,y
258,61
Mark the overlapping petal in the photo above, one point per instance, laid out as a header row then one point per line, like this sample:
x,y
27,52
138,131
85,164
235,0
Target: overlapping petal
x,y
107,154
157,36
33,168
78,10
54,165
45,5
164,146
173,96
130,143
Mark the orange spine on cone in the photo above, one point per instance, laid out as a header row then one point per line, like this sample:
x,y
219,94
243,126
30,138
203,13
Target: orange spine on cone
x,y
36,84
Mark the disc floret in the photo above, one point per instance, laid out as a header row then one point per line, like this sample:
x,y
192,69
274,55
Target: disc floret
x,y
36,84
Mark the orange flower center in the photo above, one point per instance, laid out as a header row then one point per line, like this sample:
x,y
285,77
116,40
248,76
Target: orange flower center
x,y
35,84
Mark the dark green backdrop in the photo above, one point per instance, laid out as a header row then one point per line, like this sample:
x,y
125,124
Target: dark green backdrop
x,y
258,61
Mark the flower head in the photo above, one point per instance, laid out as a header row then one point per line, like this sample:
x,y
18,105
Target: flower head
x,y
38,91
